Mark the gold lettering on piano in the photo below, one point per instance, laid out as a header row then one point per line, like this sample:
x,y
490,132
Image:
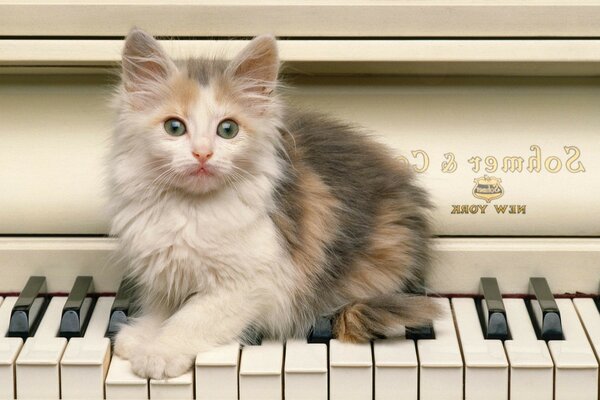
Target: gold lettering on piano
x,y
476,161
553,164
512,208
425,160
469,209
480,209
500,208
571,160
449,166
512,164
423,165
491,164
537,162
488,188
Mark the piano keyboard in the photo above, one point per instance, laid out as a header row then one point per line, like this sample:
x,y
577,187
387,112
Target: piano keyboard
x,y
460,361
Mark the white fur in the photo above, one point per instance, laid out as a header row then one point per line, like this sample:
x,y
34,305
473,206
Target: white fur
x,y
230,257
204,251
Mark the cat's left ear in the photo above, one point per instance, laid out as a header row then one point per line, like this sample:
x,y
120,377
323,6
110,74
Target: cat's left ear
x,y
258,64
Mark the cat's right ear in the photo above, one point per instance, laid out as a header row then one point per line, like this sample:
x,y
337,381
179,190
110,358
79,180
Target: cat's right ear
x,y
145,63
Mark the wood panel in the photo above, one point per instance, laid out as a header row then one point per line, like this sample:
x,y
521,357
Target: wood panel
x,y
570,265
295,18
332,57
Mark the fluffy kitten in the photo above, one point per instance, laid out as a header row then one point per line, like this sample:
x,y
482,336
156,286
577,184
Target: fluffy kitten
x,y
234,211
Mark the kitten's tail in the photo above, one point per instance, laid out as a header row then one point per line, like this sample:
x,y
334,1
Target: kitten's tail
x,y
383,316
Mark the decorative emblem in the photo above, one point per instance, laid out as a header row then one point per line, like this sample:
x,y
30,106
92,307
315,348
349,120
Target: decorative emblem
x,y
488,188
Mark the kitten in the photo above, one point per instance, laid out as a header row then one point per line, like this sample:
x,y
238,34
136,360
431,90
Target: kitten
x,y
235,211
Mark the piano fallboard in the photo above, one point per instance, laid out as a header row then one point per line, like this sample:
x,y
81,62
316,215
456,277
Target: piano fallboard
x,y
501,156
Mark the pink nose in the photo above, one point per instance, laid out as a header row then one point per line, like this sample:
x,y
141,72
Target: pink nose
x,y
201,156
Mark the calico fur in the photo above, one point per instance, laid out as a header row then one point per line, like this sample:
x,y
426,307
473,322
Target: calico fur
x,y
301,216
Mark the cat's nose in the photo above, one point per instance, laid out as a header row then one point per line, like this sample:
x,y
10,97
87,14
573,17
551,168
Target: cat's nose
x,y
202,156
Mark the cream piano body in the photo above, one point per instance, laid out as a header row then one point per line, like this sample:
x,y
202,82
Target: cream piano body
x,y
496,105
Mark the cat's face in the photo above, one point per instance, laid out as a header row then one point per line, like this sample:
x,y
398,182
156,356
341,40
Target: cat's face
x,y
198,125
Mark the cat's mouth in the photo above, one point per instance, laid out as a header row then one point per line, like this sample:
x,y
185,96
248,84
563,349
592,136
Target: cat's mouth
x,y
203,170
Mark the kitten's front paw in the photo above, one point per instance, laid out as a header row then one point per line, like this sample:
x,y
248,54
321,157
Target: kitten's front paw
x,y
131,338
160,364
126,342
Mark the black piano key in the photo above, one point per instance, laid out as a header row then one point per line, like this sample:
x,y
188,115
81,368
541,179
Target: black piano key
x,y
77,308
420,332
121,308
28,309
321,332
496,325
547,318
424,331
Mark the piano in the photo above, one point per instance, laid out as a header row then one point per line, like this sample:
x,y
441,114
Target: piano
x,y
495,105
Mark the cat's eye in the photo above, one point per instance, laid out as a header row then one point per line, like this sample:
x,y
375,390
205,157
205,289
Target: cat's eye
x,y
227,129
175,127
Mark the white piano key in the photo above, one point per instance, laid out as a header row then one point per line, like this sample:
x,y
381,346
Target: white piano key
x,y
590,317
576,367
305,370
520,324
122,383
9,349
396,369
486,367
85,362
98,324
40,357
260,371
181,387
217,373
531,367
350,371
441,365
